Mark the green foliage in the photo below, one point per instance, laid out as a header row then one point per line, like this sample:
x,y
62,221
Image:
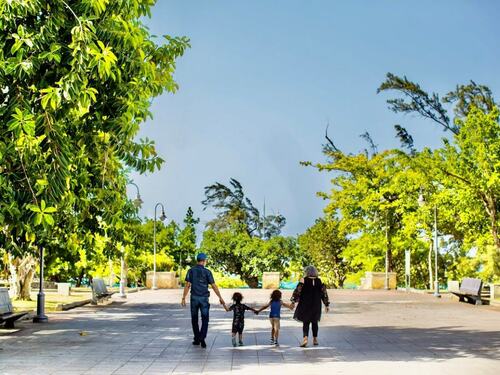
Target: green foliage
x,y
76,82
234,209
322,245
237,253
139,248
467,166
187,237
374,195
242,242
225,281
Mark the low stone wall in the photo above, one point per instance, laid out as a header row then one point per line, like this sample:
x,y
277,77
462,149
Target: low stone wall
x,y
270,280
376,280
46,285
164,280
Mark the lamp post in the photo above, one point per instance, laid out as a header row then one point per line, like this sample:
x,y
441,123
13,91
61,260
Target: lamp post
x,y
386,281
137,201
421,203
387,199
123,279
180,268
123,276
40,316
162,218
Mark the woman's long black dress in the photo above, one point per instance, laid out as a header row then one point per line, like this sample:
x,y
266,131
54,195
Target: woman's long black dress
x,y
309,294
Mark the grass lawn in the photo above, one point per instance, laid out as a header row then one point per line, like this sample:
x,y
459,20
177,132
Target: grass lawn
x,y
52,299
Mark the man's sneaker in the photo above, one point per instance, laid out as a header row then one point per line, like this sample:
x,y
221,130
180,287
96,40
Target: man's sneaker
x,y
240,343
234,341
196,342
203,343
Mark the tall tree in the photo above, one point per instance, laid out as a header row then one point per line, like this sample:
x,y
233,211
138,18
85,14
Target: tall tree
x,y
234,209
76,82
323,245
468,163
240,239
237,253
187,236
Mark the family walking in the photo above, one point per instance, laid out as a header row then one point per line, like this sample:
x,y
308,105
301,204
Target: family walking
x,y
308,296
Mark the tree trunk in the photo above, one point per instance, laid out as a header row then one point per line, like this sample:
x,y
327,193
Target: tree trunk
x,y
22,272
79,278
491,208
490,204
252,281
13,278
341,281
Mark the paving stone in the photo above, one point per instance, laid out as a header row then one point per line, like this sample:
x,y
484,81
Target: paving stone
x,y
387,332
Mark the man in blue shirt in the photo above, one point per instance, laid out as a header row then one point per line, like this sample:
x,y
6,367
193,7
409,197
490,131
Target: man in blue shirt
x,y
198,278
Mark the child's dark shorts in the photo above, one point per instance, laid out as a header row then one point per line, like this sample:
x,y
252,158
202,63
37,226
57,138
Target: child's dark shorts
x,y
238,327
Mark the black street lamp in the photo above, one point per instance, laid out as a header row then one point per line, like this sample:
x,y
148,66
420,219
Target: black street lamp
x,y
162,218
138,200
40,316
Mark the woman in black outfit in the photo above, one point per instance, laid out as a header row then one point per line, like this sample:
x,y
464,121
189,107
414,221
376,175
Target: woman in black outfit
x,y
309,294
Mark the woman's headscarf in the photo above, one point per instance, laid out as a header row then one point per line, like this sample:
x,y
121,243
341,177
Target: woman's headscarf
x,y
311,271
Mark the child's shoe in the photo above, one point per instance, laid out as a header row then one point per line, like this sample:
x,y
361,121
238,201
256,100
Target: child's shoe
x,y
276,343
234,341
272,342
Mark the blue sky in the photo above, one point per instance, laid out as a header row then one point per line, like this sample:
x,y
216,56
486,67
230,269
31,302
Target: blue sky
x,y
262,79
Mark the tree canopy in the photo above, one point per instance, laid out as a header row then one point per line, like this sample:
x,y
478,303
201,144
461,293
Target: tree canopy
x,y
76,82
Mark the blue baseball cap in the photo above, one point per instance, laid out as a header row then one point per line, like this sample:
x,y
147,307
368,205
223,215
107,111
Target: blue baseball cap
x,y
201,256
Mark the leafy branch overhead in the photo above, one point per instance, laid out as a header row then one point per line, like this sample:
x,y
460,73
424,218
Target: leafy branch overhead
x,y
76,83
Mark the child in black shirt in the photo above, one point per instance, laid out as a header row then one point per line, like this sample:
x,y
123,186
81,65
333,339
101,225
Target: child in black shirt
x,y
238,310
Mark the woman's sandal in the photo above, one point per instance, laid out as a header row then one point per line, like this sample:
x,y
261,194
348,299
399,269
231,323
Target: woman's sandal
x,y
315,341
304,343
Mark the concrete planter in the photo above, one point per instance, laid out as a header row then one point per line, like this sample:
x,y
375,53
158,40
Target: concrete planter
x,y
64,289
164,280
270,280
376,280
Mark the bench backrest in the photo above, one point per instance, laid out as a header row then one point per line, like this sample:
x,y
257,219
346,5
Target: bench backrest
x,y
5,303
99,287
471,286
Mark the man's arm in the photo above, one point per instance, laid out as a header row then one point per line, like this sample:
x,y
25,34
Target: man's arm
x,y
216,290
185,293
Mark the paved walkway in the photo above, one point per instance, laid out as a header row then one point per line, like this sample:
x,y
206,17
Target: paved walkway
x,y
382,332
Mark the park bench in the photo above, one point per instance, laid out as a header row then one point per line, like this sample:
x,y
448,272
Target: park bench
x,y
99,291
470,291
7,315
